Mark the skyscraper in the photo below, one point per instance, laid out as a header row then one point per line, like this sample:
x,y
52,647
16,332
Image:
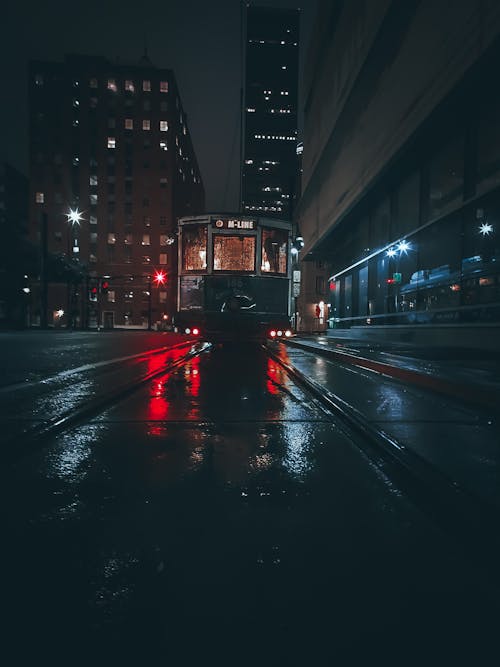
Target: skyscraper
x,y
110,142
269,169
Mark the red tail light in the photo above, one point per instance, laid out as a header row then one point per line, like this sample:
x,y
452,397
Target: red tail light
x,y
196,331
272,333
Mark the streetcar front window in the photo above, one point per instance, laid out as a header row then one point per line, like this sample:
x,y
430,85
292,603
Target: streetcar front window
x,y
274,251
194,247
234,253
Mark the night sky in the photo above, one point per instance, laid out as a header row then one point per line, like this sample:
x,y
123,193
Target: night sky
x,y
198,39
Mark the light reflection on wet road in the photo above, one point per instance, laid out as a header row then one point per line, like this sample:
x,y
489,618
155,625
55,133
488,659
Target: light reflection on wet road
x,y
218,516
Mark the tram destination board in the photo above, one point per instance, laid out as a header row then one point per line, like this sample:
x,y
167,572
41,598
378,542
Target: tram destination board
x,y
234,223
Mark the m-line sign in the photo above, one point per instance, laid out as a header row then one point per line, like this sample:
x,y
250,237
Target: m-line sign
x,y
234,223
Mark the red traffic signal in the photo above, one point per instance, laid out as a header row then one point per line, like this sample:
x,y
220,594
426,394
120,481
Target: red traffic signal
x,y
160,278
104,286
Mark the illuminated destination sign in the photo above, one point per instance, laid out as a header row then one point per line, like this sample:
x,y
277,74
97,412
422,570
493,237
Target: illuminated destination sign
x,y
234,223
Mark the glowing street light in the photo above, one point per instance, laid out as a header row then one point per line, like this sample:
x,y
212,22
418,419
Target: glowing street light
x,y
485,228
74,216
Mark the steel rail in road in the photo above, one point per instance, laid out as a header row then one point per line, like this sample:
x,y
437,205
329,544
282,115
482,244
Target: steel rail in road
x,y
22,444
458,512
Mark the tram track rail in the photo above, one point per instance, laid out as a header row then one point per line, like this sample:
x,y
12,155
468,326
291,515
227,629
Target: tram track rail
x,y
19,445
458,512
465,517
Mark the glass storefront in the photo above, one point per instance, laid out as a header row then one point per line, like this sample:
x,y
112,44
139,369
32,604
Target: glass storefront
x,y
439,256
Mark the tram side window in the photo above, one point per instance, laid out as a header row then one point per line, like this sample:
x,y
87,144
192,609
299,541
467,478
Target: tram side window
x,y
234,253
194,248
274,251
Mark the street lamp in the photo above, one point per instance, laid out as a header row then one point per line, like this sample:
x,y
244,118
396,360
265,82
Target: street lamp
x,y
75,218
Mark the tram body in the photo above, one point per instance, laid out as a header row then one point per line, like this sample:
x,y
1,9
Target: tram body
x,y
234,278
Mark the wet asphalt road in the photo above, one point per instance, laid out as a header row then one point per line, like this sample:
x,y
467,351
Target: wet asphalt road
x,y
220,516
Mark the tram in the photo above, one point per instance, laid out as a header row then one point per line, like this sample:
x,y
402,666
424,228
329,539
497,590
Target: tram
x,y
234,278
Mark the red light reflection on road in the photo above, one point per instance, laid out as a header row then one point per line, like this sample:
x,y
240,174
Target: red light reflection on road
x,y
158,405
193,377
271,381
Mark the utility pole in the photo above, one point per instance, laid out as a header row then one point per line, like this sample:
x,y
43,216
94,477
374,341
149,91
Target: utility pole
x,y
43,274
149,302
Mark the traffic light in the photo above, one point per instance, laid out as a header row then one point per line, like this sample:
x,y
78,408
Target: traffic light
x,y
93,293
104,286
160,278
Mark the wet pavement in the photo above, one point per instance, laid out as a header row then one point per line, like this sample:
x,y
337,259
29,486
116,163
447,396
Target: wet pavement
x,y
469,374
220,516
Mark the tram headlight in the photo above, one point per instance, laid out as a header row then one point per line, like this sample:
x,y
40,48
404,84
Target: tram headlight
x,y
288,333
187,330
196,331
279,332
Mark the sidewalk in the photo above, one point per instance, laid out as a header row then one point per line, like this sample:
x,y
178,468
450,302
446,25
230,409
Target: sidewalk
x,y
472,375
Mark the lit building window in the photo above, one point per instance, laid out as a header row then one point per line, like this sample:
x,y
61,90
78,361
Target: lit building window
x,y
163,145
39,197
129,86
163,125
129,124
93,220
163,86
146,124
111,142
76,103
147,221
92,258
162,296
93,237
163,239
163,258
111,238
112,85
146,259
93,199
93,179
146,239
146,85
38,80
111,296
93,82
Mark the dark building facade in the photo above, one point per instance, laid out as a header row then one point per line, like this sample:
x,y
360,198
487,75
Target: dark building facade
x,y
400,203
269,167
109,141
15,262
